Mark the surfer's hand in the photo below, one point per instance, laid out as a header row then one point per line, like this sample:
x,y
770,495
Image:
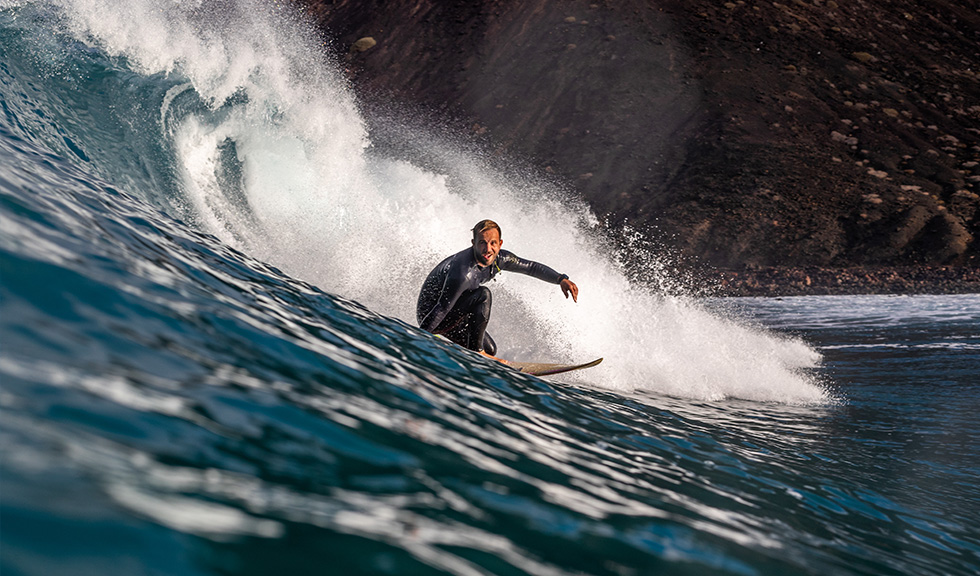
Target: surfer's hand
x,y
569,286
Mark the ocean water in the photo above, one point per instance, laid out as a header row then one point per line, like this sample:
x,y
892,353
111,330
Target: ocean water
x,y
209,256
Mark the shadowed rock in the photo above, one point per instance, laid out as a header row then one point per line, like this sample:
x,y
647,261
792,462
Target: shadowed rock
x,y
682,112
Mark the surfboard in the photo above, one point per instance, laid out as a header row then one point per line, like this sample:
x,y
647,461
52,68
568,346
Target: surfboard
x,y
540,369
537,368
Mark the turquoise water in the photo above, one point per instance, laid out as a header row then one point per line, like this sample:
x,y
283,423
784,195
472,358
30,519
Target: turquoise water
x,y
208,261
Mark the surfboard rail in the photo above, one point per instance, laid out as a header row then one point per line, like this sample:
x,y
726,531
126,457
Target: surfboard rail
x,y
549,369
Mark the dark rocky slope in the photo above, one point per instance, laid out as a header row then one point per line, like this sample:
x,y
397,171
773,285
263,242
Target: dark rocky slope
x,y
745,134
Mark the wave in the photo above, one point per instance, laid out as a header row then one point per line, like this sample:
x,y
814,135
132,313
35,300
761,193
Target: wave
x,y
235,118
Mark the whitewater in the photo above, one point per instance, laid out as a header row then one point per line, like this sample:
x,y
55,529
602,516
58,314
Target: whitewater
x,y
253,136
210,253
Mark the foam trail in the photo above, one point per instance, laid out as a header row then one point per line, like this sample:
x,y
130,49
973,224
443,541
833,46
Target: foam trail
x,y
279,164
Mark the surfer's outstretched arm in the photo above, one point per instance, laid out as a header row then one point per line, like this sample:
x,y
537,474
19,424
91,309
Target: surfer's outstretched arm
x,y
514,263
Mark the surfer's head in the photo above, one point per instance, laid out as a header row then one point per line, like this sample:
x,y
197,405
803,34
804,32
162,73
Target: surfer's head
x,y
486,242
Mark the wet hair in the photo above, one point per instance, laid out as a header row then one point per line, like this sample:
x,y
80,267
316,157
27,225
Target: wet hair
x,y
484,225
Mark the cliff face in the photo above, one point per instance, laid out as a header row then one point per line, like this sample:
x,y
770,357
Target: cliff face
x,y
744,133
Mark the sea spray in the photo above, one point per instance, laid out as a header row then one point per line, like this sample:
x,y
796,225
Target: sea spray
x,y
271,155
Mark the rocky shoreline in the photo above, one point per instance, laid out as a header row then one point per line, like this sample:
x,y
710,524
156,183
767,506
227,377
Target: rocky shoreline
x,y
749,135
814,280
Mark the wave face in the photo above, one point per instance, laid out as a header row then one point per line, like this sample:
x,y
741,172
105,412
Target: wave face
x,y
209,258
229,117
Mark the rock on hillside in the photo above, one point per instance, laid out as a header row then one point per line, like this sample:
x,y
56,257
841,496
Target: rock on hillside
x,y
747,134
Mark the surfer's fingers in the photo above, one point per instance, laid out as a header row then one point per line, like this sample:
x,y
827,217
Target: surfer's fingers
x,y
567,286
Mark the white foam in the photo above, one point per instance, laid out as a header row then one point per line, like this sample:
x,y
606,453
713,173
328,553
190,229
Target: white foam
x,y
325,209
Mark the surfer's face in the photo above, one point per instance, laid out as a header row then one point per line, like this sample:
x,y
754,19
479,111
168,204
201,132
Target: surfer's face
x,y
486,246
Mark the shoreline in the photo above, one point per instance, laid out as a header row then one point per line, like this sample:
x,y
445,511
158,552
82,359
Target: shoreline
x,y
820,281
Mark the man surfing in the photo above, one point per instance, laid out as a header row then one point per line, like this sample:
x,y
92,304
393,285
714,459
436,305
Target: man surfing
x,y
453,301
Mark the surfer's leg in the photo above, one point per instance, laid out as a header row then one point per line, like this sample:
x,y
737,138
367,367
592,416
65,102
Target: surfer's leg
x,y
489,346
466,323
473,311
456,330
479,302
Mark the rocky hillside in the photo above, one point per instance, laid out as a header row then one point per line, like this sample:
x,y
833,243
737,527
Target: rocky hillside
x,y
746,134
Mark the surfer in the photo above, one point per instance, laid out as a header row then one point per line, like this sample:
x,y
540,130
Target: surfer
x,y
453,301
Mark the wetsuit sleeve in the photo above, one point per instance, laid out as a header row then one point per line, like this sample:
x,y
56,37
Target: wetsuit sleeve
x,y
512,263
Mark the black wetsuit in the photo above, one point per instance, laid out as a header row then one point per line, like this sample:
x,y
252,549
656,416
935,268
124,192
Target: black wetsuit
x,y
453,303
